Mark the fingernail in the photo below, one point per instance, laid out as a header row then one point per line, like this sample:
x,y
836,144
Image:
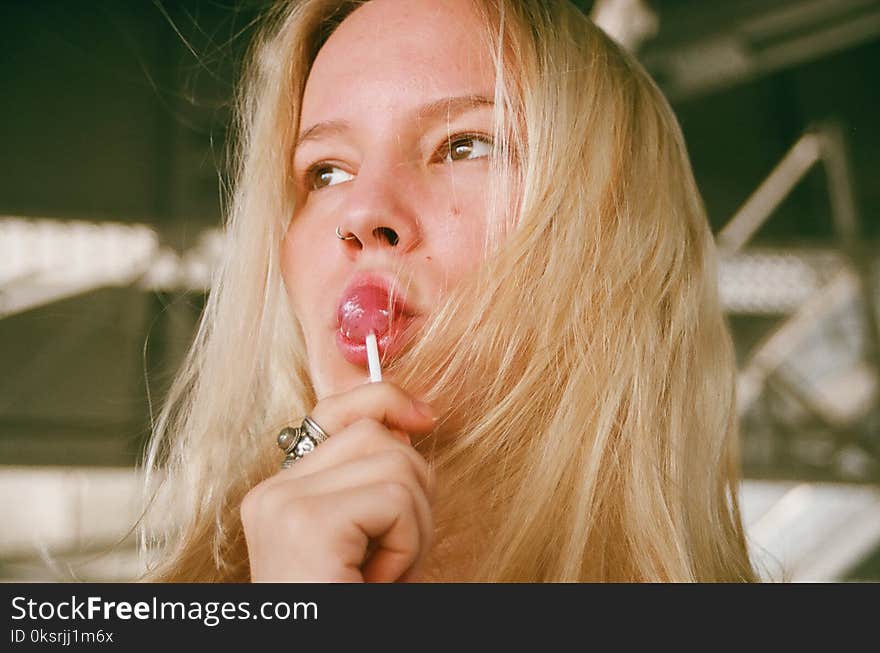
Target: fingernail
x,y
424,409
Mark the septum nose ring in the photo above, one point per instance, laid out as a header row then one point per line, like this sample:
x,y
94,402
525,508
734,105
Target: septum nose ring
x,y
339,235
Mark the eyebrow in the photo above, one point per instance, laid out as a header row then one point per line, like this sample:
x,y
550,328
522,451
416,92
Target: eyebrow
x,y
448,107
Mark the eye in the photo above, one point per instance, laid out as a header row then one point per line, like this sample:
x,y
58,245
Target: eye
x,y
322,175
466,146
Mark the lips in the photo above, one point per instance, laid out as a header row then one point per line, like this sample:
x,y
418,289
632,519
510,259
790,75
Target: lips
x,y
363,310
365,306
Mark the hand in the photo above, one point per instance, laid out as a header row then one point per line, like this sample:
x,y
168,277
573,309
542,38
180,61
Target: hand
x,y
357,508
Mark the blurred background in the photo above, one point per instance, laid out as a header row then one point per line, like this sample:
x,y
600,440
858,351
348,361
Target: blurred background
x,y
113,125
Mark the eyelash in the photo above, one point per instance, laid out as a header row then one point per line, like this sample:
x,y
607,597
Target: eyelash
x,y
441,151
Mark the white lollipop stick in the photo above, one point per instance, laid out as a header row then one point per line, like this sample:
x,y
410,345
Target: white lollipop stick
x,y
373,358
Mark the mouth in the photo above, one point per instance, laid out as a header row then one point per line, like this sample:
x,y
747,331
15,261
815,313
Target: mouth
x,y
369,305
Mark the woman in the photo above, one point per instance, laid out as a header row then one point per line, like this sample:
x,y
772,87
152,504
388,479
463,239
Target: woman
x,y
503,197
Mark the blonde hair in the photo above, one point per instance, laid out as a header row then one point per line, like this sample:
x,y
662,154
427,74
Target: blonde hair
x,y
585,373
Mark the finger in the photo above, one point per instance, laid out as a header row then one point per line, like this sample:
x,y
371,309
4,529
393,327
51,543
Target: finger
x,y
389,466
400,435
383,512
395,464
364,438
383,402
413,575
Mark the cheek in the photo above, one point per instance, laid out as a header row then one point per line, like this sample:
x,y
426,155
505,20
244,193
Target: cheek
x,y
288,257
297,256
460,235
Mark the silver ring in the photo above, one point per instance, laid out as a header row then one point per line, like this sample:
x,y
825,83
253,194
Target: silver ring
x,y
339,235
299,441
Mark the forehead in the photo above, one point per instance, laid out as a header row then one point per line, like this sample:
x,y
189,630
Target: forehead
x,y
389,52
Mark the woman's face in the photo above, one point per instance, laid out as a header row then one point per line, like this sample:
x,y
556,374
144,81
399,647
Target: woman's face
x,y
393,147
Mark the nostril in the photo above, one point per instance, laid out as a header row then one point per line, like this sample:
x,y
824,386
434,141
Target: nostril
x,y
388,234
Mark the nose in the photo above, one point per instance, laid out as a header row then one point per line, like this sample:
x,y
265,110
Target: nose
x,y
379,214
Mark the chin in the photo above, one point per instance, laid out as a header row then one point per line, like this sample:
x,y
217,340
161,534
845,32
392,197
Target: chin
x,y
328,380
